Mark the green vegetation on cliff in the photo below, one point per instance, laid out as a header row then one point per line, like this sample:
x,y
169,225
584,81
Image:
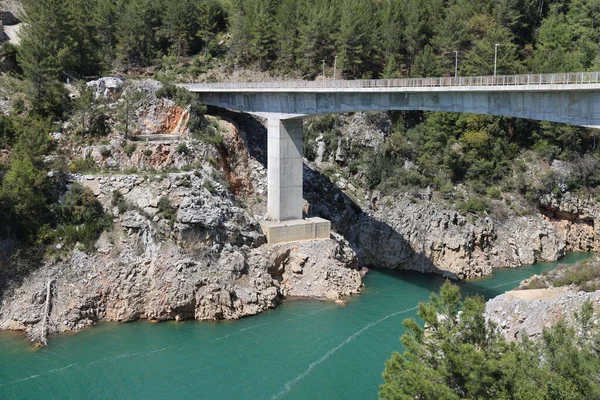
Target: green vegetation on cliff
x,y
460,355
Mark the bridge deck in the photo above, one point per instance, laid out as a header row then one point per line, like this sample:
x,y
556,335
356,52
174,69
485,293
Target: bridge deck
x,y
501,83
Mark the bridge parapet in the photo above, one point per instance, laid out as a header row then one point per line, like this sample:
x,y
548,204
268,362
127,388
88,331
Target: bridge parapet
x,y
561,81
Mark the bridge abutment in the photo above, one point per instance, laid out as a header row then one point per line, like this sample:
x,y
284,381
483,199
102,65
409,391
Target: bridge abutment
x,y
284,174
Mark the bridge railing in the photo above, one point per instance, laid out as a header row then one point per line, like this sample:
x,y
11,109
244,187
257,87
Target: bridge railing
x,y
572,78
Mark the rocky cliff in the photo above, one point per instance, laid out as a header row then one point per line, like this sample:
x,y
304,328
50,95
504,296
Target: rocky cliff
x,y
418,229
518,319
209,262
184,245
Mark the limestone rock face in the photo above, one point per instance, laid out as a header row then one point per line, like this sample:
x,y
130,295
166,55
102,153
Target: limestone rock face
x,y
209,263
107,88
526,240
577,220
325,269
418,234
517,319
416,229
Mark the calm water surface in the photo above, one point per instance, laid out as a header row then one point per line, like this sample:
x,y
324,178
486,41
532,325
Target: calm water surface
x,y
302,350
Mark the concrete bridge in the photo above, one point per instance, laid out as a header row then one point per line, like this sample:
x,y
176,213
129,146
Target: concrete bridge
x,y
571,98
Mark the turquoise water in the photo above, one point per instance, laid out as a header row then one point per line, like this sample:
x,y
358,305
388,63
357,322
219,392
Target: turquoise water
x,y
302,350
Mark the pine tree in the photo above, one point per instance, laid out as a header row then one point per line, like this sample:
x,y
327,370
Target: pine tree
x,y
354,38
135,32
180,25
391,68
46,48
460,355
239,30
86,48
105,19
262,32
427,64
392,28
315,37
286,20
209,15
485,32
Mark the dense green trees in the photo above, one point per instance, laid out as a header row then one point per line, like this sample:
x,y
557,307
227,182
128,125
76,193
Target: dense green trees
x,y
74,38
368,38
24,189
460,355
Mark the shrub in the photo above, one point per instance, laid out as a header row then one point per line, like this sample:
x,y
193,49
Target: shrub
x,y
105,152
8,131
585,275
179,95
579,274
166,209
535,283
546,150
118,200
207,133
129,149
81,217
378,168
84,165
494,192
309,150
208,186
474,205
183,149
215,139
80,206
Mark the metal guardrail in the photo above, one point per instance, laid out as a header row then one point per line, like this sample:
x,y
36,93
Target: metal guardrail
x,y
573,78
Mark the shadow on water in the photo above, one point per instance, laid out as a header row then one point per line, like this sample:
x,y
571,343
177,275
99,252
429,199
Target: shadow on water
x,y
433,282
489,287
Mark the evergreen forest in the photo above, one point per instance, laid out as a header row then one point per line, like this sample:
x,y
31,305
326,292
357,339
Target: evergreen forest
x,y
364,38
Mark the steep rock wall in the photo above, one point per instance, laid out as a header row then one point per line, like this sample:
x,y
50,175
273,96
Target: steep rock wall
x,y
210,263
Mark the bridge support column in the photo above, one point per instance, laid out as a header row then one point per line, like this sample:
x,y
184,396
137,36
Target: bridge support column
x,y
284,173
284,169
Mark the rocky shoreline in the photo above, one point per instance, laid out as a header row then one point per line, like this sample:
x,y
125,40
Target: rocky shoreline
x,y
211,263
526,318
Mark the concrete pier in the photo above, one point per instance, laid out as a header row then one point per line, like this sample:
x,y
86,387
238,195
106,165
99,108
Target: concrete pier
x,y
284,174
284,169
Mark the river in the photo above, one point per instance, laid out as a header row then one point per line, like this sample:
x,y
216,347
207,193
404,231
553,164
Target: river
x,y
301,350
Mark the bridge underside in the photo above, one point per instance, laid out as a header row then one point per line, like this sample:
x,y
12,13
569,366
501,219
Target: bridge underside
x,y
576,107
285,111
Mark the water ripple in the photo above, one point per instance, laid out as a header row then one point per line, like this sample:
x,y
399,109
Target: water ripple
x,y
289,385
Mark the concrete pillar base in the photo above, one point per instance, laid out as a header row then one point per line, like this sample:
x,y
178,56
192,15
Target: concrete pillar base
x,y
296,230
